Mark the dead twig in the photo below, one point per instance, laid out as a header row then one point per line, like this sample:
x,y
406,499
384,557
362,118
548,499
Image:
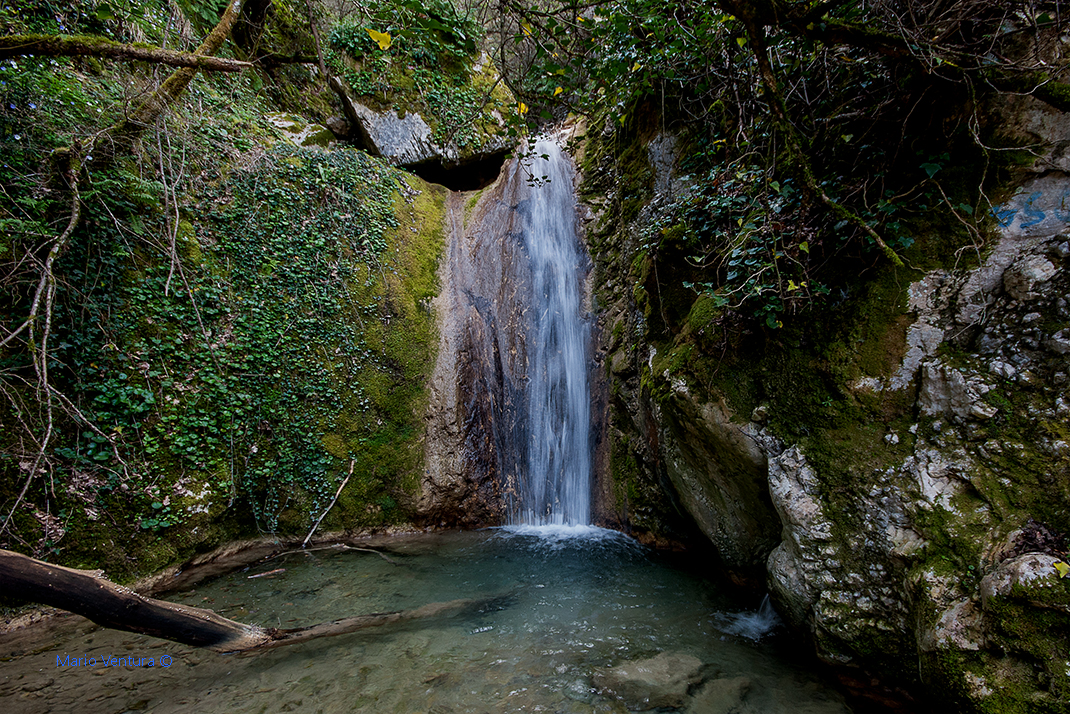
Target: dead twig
x,y
333,501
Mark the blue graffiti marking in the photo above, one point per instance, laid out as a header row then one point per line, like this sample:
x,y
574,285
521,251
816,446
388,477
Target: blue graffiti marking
x,y
1004,216
1063,210
1030,215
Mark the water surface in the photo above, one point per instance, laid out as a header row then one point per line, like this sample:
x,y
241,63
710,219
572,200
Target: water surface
x,y
572,600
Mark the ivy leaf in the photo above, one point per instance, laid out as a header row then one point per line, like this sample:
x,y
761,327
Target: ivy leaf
x,y
383,38
558,91
805,247
931,168
636,67
1062,568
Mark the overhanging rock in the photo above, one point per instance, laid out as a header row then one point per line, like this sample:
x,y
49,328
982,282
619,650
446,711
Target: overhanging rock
x,y
407,140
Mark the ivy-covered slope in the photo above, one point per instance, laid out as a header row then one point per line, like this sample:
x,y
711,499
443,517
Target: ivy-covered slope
x,y
239,322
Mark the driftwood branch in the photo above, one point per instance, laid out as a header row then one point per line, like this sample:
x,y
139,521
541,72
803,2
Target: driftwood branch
x,y
335,546
88,594
90,46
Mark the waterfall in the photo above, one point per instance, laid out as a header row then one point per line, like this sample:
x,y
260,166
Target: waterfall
x,y
554,486
509,421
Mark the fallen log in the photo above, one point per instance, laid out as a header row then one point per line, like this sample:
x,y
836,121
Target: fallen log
x,y
89,594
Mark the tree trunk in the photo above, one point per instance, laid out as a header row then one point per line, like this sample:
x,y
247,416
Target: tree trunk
x,y
88,594
109,605
127,131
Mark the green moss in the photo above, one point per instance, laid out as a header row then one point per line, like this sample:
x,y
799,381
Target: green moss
x,y
641,500
471,203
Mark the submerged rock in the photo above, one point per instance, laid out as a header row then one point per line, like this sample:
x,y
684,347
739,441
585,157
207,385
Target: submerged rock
x,y
661,681
722,696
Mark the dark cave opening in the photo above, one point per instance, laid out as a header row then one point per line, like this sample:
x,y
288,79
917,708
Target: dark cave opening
x,y
469,176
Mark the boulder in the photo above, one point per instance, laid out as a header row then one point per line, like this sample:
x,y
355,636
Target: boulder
x,y
300,132
403,130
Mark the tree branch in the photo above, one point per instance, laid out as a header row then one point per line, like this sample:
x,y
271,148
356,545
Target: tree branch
x,y
129,129
90,46
759,48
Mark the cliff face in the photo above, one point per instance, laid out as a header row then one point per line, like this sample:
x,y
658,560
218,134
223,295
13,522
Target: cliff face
x,y
893,464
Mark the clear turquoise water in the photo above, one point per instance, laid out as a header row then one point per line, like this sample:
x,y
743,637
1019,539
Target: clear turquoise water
x,y
574,600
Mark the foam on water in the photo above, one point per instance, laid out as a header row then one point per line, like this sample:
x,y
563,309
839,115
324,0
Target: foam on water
x,y
562,535
754,625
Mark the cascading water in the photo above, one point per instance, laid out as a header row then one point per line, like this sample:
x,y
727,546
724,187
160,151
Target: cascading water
x,y
555,486
509,428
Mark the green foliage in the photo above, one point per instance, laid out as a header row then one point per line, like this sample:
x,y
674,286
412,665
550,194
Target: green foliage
x,y
752,222
430,34
204,14
236,324
430,66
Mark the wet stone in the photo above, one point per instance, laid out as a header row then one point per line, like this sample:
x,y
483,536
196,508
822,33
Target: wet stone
x,y
661,681
722,696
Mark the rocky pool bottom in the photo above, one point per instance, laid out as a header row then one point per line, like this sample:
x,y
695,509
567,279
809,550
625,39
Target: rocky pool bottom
x,y
581,620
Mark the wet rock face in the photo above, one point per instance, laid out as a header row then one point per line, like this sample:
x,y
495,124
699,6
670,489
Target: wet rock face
x,y
476,389
718,468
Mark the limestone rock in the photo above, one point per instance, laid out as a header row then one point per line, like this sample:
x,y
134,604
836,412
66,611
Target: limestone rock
x,y
405,136
1022,278
661,681
403,140
718,467
1059,343
339,126
1021,576
946,391
801,566
301,133
960,626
